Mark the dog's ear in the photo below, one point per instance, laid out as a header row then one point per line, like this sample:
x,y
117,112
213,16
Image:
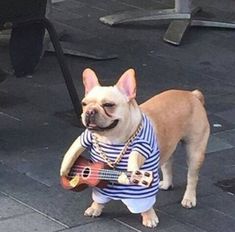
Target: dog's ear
x,y
90,80
127,84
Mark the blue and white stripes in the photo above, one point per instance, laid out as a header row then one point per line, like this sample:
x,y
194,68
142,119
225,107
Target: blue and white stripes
x,y
146,144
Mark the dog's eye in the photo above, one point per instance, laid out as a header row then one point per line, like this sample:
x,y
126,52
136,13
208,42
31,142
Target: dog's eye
x,y
84,104
108,105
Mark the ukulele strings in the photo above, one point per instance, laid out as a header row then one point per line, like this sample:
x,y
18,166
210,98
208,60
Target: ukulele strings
x,y
104,174
99,175
102,177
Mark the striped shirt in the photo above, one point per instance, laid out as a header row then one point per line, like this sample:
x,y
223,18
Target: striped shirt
x,y
145,143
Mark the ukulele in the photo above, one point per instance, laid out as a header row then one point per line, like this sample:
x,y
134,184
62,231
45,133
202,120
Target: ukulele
x,y
84,173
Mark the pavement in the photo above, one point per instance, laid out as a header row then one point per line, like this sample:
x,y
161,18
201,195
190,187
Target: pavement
x,y
38,124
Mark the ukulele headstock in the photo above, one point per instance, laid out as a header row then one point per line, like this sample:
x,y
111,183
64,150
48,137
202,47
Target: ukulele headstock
x,y
142,178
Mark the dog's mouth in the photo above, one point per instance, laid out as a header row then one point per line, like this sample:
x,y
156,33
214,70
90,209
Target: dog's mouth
x,y
95,127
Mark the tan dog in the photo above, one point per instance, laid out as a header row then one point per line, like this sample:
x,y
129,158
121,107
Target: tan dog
x,y
113,115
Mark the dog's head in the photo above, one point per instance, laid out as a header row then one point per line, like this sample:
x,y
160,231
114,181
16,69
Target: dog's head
x,y
110,109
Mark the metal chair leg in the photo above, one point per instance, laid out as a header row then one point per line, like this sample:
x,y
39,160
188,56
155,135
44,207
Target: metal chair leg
x,y
63,65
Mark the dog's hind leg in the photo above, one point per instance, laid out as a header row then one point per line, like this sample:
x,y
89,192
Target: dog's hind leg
x,y
196,148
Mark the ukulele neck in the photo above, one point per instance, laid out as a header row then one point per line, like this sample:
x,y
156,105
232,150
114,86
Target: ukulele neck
x,y
142,178
111,175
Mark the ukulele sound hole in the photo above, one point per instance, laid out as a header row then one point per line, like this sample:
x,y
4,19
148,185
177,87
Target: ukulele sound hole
x,y
86,172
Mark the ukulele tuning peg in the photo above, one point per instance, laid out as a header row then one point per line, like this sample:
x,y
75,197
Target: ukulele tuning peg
x,y
135,181
144,182
147,174
137,173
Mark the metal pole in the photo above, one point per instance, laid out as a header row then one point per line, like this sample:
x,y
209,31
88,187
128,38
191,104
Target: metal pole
x,y
183,6
64,68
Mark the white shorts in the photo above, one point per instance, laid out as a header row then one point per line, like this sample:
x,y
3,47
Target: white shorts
x,y
139,205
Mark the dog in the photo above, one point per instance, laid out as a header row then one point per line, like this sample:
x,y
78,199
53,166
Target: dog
x,y
113,116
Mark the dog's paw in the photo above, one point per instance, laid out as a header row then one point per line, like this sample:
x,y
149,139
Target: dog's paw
x,y
94,210
163,185
151,223
189,202
150,219
91,212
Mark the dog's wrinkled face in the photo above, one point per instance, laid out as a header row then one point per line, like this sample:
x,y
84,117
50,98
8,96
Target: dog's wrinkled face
x,y
103,108
107,108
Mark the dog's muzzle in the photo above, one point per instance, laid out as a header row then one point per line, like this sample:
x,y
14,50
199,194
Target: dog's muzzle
x,y
90,116
90,121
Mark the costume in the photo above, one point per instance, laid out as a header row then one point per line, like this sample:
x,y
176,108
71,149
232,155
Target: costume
x,y
145,142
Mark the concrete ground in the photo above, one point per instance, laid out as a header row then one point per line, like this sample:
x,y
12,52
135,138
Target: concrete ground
x,y
38,124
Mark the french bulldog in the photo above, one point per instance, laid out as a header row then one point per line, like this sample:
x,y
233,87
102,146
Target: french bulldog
x,y
112,114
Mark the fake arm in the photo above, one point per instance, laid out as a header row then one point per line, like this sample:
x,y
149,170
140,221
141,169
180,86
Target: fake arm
x,y
71,156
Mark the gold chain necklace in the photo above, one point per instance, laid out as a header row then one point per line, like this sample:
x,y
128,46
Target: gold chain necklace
x,y
121,154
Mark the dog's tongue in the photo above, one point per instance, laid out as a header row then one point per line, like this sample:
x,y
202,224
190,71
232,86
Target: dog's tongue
x,y
91,125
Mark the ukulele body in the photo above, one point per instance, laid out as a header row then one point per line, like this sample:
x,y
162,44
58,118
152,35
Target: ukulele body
x,y
83,174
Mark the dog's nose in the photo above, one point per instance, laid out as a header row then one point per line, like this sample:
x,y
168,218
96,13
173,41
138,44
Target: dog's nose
x,y
90,116
91,112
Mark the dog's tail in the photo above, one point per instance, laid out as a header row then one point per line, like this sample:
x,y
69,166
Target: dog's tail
x,y
199,95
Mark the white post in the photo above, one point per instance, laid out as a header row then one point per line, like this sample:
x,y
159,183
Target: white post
x,y
183,6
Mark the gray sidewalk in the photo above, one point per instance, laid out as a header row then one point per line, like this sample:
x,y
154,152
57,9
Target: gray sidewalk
x,y
38,124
